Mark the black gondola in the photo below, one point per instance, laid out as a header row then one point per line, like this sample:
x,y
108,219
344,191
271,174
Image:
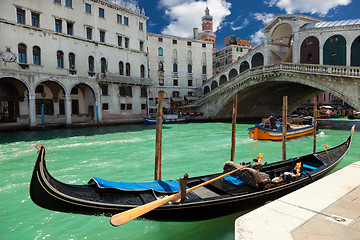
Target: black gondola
x,y
216,199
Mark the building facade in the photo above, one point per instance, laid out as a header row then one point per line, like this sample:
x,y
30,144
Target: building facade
x,y
72,61
177,66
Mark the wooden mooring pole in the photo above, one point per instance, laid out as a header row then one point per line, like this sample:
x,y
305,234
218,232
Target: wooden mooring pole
x,y
159,114
233,132
315,124
284,126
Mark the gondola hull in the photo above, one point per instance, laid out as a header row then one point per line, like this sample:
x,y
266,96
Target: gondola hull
x,y
217,199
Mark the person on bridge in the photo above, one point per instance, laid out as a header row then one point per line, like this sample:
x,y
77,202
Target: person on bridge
x,y
272,120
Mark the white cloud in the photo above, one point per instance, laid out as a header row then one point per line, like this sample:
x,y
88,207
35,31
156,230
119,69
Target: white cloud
x,y
257,38
265,18
321,7
186,14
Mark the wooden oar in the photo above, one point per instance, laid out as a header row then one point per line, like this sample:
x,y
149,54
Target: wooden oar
x,y
124,217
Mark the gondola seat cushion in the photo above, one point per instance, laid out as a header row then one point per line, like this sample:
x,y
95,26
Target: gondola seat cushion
x,y
251,176
158,186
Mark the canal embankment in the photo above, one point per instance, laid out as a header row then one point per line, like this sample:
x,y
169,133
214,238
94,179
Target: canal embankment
x,y
326,209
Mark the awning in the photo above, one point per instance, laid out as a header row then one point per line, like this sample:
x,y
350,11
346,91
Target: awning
x,y
191,98
177,99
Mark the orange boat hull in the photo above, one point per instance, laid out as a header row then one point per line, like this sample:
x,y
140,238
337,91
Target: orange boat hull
x,y
259,133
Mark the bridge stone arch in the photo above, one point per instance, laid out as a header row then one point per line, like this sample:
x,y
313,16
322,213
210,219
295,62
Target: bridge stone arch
x,y
222,80
281,37
355,52
335,50
310,50
257,60
233,73
214,85
206,89
244,66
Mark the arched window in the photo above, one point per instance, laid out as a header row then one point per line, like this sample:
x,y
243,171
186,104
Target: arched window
x,y
257,60
60,59
217,64
244,66
91,64
160,52
204,56
189,55
103,65
161,66
72,61
175,67
203,69
189,68
22,53
175,53
355,53
121,68
334,51
206,89
127,69
142,71
214,85
36,55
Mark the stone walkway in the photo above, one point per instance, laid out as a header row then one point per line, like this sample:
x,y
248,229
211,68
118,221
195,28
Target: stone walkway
x,y
308,213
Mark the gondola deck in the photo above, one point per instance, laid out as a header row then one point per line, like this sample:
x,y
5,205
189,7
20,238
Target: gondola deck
x,y
216,199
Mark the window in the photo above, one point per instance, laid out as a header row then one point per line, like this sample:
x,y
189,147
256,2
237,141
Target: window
x,y
88,33
127,69
128,106
142,71
160,39
104,89
160,51
129,91
143,106
118,18
70,28
72,61
141,43
161,66
91,64
174,41
102,36
175,67
36,56
119,41
122,106
189,68
22,53
161,81
239,49
190,82
204,45
121,68
175,55
103,65
333,58
101,12
35,19
125,91
189,43
57,1
127,42
143,92
75,106
203,69
58,25
126,21
20,15
87,8
175,82
68,3
105,106
141,26
60,59
61,107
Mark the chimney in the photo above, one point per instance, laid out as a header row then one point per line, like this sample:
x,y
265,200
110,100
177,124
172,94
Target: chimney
x,y
196,33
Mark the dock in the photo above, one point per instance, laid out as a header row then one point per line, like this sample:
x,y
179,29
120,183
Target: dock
x,y
328,209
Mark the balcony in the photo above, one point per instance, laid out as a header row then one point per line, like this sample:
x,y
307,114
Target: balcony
x,y
122,79
160,58
161,74
190,75
175,74
175,60
204,77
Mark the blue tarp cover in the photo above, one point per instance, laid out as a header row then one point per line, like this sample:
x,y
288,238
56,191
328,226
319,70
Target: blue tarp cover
x,y
159,186
234,180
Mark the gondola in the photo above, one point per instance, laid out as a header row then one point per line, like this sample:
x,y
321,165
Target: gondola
x,y
215,199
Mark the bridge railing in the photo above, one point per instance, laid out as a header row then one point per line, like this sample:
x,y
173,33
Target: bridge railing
x,y
294,67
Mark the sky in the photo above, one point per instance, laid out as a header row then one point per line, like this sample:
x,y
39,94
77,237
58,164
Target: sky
x,y
242,18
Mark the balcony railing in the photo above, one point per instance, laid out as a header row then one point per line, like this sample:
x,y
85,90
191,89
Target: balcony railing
x,y
160,73
190,75
175,74
175,59
109,77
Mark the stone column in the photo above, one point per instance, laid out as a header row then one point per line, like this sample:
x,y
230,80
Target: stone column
x,y
348,52
32,110
68,110
98,104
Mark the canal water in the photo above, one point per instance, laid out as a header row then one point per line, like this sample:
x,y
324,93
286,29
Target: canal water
x,y
126,153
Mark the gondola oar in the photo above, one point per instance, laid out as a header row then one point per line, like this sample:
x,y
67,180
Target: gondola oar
x,y
124,217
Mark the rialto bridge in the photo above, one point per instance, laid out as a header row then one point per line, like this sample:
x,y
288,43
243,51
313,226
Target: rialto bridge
x,y
300,57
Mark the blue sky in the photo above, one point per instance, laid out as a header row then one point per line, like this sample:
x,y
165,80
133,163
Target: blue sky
x,y
242,18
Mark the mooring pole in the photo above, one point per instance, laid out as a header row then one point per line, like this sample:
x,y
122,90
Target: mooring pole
x,y
315,124
284,126
97,115
158,137
233,132
42,116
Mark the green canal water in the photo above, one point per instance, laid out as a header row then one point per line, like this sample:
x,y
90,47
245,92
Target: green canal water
x,y
126,153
